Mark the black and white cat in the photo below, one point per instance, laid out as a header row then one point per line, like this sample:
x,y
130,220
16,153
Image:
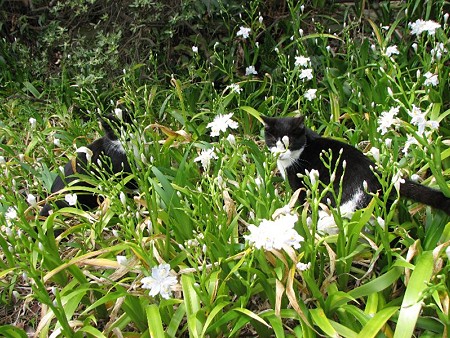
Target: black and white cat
x,y
105,154
300,152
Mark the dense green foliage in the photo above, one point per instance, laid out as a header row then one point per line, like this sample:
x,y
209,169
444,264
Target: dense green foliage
x,y
176,67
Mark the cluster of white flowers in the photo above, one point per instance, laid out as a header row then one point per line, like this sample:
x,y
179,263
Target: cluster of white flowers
x,y
388,119
420,26
438,51
221,123
276,234
303,61
160,282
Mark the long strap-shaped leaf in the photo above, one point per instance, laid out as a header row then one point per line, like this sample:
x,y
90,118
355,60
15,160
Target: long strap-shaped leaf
x,y
412,304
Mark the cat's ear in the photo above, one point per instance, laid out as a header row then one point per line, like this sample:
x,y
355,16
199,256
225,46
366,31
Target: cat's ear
x,y
298,122
268,121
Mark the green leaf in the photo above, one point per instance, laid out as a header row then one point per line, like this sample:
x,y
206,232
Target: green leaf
x,y
32,89
321,320
377,322
12,332
192,304
175,322
154,321
214,312
412,304
377,284
253,112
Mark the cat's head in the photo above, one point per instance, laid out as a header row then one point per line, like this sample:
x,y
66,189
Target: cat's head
x,y
284,133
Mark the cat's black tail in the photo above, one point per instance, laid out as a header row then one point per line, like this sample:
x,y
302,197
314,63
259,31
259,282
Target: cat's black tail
x,y
423,194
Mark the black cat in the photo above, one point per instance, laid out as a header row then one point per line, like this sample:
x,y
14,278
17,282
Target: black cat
x,y
300,151
107,149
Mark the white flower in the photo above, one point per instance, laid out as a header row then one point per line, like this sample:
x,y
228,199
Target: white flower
x,y
306,74
431,79
302,61
275,234
414,46
433,125
71,199
231,139
2,160
418,118
222,123
122,260
447,252
303,266
205,157
420,26
392,50
313,176
381,222
250,70
88,152
326,224
160,282
310,94
123,198
57,142
244,32
31,199
397,180
119,113
410,141
32,121
415,178
375,153
235,88
387,120
195,49
11,213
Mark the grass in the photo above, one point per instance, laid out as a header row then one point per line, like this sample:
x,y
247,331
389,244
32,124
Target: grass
x,y
385,273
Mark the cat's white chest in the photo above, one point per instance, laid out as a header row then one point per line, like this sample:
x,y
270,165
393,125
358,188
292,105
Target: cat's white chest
x,y
116,146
